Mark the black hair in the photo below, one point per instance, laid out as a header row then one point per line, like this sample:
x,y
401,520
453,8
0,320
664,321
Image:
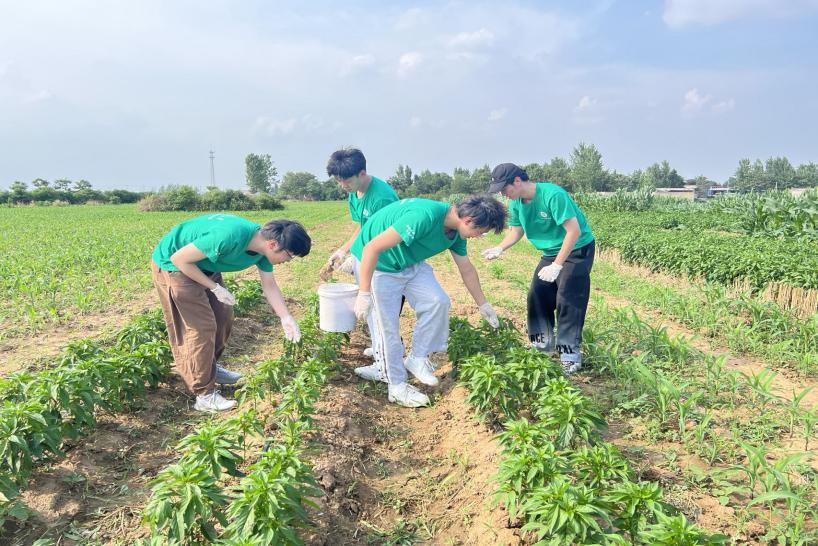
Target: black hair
x,y
291,236
484,210
346,163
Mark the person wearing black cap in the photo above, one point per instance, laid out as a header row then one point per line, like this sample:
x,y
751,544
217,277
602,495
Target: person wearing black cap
x,y
547,215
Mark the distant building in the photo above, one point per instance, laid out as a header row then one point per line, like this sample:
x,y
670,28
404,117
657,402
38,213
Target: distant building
x,y
687,192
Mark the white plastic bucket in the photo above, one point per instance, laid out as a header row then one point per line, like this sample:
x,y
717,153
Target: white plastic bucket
x,y
336,304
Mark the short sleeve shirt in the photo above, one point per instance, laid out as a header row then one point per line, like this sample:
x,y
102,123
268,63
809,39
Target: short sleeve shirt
x,y
542,218
223,238
419,222
377,196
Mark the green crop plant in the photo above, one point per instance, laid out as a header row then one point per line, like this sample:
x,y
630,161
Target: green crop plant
x,y
677,531
267,505
569,417
520,434
524,470
635,505
212,446
464,340
561,513
599,466
794,407
808,419
492,391
531,370
186,502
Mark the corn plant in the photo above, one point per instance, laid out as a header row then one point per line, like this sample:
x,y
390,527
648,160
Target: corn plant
x,y
808,419
186,501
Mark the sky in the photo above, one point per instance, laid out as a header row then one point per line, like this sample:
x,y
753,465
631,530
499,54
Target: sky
x,y
134,94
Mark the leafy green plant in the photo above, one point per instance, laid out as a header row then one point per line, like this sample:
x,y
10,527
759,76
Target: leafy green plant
x,y
561,513
677,531
569,417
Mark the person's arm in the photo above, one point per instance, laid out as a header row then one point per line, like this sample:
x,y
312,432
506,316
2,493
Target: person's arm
x,y
513,235
275,298
272,293
572,233
185,259
369,257
472,281
351,240
470,277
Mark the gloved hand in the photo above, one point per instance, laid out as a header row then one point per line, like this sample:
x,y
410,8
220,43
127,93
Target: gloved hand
x,y
348,266
291,330
488,313
492,253
363,304
337,258
223,295
550,273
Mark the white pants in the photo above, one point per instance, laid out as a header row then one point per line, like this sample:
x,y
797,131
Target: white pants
x,y
431,304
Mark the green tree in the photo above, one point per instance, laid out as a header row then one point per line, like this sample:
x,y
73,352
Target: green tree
x,y
557,171
62,184
300,185
661,175
779,173
402,179
587,172
261,174
428,183
18,192
82,185
806,175
39,183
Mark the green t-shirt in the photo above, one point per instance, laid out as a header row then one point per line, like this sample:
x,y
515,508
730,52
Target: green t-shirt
x,y
419,222
377,196
542,218
223,238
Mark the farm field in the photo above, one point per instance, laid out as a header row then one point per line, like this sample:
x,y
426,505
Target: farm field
x,y
697,393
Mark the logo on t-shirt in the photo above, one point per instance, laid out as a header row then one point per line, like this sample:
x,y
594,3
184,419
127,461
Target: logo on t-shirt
x,y
544,215
410,233
366,212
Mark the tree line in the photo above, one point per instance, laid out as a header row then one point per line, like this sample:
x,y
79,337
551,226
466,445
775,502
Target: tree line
x,y
64,191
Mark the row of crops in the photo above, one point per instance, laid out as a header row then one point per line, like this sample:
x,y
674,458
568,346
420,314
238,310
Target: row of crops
x,y
42,410
244,480
97,259
558,477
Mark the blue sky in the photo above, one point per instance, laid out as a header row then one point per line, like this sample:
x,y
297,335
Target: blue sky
x,y
133,94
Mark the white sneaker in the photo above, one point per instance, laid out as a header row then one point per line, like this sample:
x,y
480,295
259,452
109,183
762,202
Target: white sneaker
x,y
370,352
213,402
422,369
226,377
373,372
407,395
569,368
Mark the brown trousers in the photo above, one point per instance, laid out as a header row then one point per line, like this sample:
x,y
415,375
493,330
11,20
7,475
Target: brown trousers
x,y
198,326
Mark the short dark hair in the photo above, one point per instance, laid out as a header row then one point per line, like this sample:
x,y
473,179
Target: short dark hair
x,y
346,162
484,210
291,236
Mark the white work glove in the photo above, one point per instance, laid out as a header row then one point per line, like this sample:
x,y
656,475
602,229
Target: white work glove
x,y
363,304
291,330
348,266
488,313
550,273
337,258
492,253
223,295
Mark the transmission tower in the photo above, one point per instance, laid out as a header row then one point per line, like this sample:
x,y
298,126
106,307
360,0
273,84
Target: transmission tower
x,y
212,170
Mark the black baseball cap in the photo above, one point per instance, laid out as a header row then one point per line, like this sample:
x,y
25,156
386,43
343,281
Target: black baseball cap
x,y
504,174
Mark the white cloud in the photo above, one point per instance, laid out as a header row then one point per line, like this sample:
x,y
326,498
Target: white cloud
x,y
468,40
415,122
409,62
275,127
724,106
694,101
681,13
585,103
498,114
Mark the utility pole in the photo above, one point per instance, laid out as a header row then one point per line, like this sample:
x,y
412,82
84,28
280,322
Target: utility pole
x,y
212,170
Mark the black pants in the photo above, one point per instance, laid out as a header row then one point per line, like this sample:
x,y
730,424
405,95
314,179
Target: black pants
x,y
566,299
